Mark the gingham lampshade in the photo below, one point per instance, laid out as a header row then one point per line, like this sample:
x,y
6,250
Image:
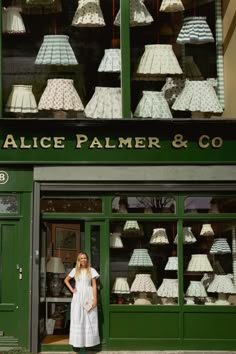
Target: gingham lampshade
x,y
199,263
21,100
115,240
88,14
206,230
188,236
159,236
12,21
56,50
121,286
143,283
153,105
111,61
196,289
195,30
139,15
172,263
171,6
220,246
140,258
168,288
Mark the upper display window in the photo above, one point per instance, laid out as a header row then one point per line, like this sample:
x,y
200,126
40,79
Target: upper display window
x,y
213,205
144,204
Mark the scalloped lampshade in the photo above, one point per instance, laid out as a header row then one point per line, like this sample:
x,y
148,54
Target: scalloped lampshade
x,y
143,283
121,286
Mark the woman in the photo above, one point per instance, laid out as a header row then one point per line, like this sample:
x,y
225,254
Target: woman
x,y
83,316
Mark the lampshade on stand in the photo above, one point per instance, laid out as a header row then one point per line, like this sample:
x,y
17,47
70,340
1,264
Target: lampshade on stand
x,y
143,283
198,96
195,30
172,88
223,285
56,50
56,267
139,15
220,246
111,61
171,6
60,94
169,289
140,258
153,105
159,59
132,229
21,100
88,14
105,103
121,286
12,21
172,263
115,240
196,290
207,230
199,263
159,236
188,236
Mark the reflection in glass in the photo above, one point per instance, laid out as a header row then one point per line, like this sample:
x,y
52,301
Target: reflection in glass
x,y
213,205
72,205
8,204
144,204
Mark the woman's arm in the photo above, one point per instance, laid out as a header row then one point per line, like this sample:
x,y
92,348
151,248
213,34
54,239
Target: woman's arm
x,y
67,282
94,286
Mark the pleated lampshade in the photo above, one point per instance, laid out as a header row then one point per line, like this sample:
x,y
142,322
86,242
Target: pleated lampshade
x,y
56,50
199,263
196,289
220,246
105,103
121,286
172,88
140,258
139,15
111,61
12,21
115,240
143,283
222,283
168,288
21,100
192,71
198,96
195,30
171,6
172,263
188,236
88,14
159,236
159,59
60,94
206,230
153,105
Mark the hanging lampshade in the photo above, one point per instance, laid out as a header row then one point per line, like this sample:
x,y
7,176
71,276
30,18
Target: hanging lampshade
x,y
143,283
199,263
139,15
153,105
140,258
12,22
223,285
111,61
207,230
172,263
159,59
105,103
192,71
198,96
172,88
220,246
21,100
115,240
132,229
60,94
196,289
56,50
188,236
171,6
195,30
88,14
168,288
159,236
121,286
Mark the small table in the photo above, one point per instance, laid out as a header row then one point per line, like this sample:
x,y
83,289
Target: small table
x,y
53,300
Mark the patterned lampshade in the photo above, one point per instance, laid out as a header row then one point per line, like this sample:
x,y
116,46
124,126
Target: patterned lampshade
x,y
171,6
159,236
168,288
140,258
153,105
132,229
121,286
172,263
12,21
88,14
220,246
143,283
111,61
223,285
139,15
188,236
206,230
195,30
199,263
21,100
196,289
115,240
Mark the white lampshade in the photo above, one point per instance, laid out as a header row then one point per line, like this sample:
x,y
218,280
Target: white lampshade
x,y
220,246
21,100
139,15
207,230
153,105
12,22
168,288
140,258
195,30
143,283
188,236
223,285
199,263
88,14
171,6
159,236
132,229
172,263
121,286
55,265
115,240
196,289
111,61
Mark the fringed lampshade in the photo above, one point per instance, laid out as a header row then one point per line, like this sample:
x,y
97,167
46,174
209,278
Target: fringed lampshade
x,y
159,59
21,100
169,289
192,71
56,50
207,230
171,6
188,236
140,258
172,263
198,96
139,15
223,285
220,246
88,14
121,286
195,30
115,240
111,61
172,88
143,283
60,94
196,289
12,22
105,103
199,263
159,236
153,105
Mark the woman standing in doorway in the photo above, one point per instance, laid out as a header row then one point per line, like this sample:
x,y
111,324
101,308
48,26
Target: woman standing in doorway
x,y
83,317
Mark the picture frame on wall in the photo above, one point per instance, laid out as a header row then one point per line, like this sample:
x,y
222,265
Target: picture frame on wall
x,y
66,241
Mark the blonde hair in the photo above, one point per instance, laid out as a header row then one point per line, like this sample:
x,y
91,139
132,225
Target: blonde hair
x,y
78,267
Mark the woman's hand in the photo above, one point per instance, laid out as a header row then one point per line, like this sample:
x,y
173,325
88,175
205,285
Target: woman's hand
x,y
74,290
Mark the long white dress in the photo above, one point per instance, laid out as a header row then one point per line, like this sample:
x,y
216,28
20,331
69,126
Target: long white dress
x,y
83,324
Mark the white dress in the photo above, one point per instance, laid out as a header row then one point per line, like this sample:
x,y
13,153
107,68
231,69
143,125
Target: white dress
x,y
83,324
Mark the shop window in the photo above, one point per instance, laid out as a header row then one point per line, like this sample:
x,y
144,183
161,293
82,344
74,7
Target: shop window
x,y
144,204
212,205
8,204
72,205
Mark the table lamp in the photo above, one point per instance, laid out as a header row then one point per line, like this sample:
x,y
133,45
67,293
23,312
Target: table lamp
x,y
56,267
